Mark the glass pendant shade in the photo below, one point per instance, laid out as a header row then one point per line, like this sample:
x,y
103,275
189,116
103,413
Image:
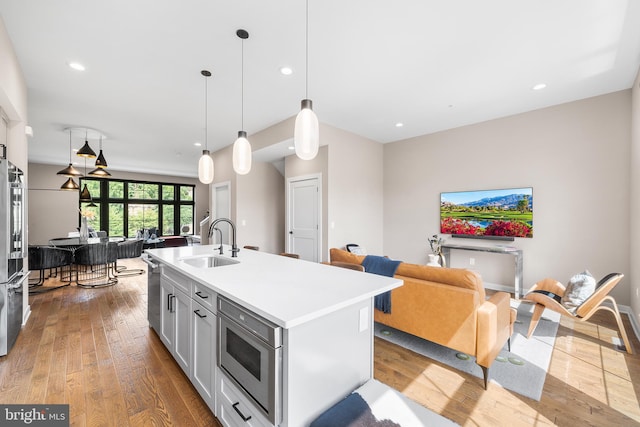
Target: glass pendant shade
x,y
70,171
85,196
70,185
306,134
102,173
205,168
242,154
86,151
101,162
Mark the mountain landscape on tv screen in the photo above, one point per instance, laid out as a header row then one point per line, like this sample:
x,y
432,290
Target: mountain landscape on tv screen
x,y
505,202
505,214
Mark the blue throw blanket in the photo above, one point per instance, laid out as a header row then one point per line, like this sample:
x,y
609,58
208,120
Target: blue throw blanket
x,y
384,267
352,411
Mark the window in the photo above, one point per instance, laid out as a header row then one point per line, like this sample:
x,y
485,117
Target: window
x,y
124,207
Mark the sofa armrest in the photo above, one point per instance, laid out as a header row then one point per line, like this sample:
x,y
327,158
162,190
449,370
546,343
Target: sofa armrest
x,y
495,324
440,313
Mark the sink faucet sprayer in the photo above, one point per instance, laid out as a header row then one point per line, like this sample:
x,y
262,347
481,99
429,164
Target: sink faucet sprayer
x,y
234,246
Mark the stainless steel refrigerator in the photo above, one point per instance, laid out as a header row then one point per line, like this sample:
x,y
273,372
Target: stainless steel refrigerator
x,y
12,253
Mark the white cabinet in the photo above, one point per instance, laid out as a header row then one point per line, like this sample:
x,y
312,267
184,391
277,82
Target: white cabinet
x,y
233,409
175,317
203,366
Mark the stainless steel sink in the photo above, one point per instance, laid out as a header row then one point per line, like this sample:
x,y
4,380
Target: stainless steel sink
x,y
208,261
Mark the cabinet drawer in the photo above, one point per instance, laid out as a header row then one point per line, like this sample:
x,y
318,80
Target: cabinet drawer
x,y
204,296
178,280
233,406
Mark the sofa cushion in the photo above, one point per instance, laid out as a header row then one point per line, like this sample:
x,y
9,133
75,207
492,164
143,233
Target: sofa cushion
x,y
450,276
336,254
580,287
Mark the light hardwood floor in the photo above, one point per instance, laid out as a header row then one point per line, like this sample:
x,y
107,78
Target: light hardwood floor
x,y
93,349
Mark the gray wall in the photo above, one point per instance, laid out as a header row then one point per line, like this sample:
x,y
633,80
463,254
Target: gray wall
x,y
576,158
260,208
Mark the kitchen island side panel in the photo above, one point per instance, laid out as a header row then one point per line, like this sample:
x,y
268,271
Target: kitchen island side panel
x,y
325,360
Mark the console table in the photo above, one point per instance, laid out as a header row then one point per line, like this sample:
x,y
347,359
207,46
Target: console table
x,y
505,250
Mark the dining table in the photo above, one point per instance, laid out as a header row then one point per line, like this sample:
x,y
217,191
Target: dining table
x,y
76,242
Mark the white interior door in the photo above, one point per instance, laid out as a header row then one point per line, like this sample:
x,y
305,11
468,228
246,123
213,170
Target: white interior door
x,y
303,236
221,209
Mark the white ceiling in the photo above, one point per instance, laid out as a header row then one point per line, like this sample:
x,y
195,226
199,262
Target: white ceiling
x,y
432,65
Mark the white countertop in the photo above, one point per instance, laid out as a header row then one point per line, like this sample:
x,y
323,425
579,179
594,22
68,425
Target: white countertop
x,y
284,290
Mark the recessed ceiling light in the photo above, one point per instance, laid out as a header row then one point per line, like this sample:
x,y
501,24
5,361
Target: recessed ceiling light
x,y
399,124
291,148
76,66
197,144
286,71
539,86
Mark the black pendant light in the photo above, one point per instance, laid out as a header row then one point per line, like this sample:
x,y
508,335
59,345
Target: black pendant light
x,y
70,185
70,171
100,173
86,151
101,162
85,195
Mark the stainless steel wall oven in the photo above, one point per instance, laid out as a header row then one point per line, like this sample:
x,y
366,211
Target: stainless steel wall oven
x,y
250,354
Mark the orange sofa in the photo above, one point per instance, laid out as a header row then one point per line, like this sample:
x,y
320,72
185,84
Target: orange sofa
x,y
447,306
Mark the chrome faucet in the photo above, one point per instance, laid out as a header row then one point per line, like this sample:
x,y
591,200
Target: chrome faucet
x,y
220,233
234,246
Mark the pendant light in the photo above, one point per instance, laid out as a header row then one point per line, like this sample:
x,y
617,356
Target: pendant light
x,y
101,162
242,147
205,164
69,171
70,185
306,135
101,165
100,173
85,195
86,151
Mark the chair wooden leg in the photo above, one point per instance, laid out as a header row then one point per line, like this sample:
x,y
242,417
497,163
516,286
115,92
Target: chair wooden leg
x,y
537,313
623,332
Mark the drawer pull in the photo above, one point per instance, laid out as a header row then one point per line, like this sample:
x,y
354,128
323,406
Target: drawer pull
x,y
202,316
202,296
235,406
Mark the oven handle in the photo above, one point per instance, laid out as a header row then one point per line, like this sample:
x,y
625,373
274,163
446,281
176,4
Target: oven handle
x,y
149,263
235,406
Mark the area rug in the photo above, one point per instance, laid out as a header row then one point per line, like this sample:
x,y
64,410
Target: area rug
x,y
522,370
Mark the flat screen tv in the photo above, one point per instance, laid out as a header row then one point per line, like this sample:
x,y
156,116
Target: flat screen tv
x,y
490,214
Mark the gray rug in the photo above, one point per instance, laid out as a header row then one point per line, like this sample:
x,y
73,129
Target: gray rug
x,y
523,369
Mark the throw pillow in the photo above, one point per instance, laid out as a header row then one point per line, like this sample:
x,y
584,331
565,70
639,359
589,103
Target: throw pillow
x,y
580,287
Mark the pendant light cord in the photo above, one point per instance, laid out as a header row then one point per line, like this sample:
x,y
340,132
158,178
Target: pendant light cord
x,y
306,84
242,88
69,146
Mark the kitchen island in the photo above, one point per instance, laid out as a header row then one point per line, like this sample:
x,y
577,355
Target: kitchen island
x,y
323,313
